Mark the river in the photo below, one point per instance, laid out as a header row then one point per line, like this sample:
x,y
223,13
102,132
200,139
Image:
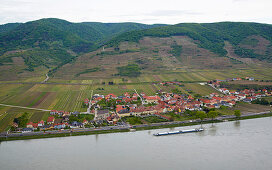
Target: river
x,y
246,144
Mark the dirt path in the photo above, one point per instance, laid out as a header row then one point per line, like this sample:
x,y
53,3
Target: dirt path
x,y
46,79
22,107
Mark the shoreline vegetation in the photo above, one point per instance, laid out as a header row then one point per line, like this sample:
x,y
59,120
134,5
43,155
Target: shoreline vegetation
x,y
148,127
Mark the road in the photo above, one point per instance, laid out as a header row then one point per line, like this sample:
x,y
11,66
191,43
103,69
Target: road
x,y
139,96
46,79
90,104
22,107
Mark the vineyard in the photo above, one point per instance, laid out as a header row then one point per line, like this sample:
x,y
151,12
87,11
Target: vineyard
x,y
69,95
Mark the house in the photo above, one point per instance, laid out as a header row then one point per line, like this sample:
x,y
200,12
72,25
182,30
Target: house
x,y
47,127
232,103
53,112
60,125
210,106
127,100
86,101
40,123
247,100
126,94
224,103
85,122
50,120
264,91
119,108
123,113
101,114
111,96
29,125
224,90
152,99
27,130
15,124
76,124
75,113
205,101
241,96
65,118
214,94
217,106
32,125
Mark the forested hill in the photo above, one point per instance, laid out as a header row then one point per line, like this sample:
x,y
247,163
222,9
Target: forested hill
x,y
211,36
7,27
51,42
75,36
54,42
108,30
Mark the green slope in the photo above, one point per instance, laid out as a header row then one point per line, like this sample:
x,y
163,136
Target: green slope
x,y
52,42
108,30
7,27
209,36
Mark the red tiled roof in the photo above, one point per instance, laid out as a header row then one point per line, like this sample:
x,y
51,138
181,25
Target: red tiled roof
x,y
50,119
42,122
119,107
152,97
205,100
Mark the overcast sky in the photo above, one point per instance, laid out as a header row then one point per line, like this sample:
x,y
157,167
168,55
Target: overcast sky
x,y
142,11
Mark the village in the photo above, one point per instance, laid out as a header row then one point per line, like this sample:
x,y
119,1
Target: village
x,y
138,108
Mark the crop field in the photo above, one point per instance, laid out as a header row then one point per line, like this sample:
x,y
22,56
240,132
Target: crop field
x,y
180,75
245,108
200,89
252,82
57,97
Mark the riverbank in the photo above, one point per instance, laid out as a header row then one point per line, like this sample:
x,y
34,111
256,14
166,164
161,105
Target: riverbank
x,y
145,127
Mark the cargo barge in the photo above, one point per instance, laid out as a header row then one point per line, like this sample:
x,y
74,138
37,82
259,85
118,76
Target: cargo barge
x,y
178,132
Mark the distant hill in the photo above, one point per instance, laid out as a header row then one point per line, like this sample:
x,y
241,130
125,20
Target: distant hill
x,y
7,27
65,48
108,30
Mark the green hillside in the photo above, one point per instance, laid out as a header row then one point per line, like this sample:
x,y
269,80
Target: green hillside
x,y
108,30
52,43
7,27
210,36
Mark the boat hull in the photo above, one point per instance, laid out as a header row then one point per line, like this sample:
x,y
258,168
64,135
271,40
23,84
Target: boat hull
x,y
178,132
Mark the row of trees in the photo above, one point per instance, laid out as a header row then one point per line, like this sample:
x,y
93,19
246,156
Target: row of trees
x,y
262,102
213,114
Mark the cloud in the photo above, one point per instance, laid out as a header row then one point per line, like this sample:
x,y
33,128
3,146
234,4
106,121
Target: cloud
x,y
145,11
164,13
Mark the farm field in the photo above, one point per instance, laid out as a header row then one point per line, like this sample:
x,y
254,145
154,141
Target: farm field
x,y
203,90
57,97
245,108
70,95
179,75
251,82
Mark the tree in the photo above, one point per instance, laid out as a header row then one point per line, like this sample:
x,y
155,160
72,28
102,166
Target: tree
x,y
212,114
201,115
197,96
237,113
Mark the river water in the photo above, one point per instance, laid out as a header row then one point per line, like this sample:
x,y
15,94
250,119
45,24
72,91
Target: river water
x,y
246,144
